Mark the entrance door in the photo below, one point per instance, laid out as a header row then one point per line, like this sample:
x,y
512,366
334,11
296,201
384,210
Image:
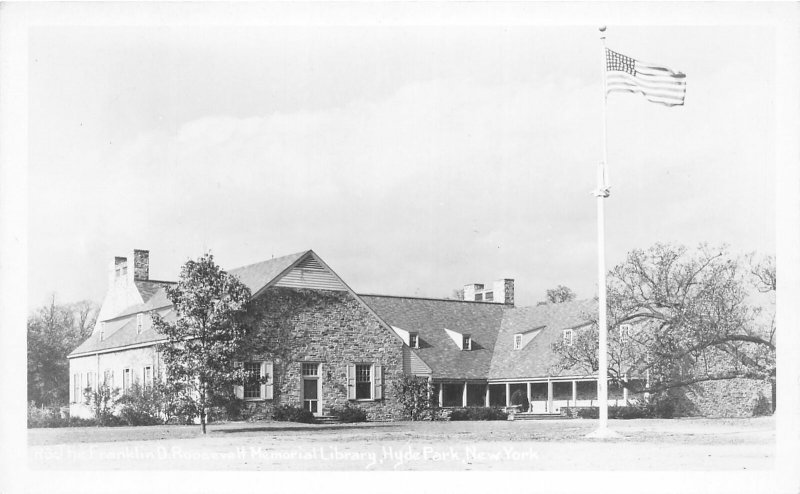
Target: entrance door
x,y
311,388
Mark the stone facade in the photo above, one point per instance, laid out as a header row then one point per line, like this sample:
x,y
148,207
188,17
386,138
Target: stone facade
x,y
332,329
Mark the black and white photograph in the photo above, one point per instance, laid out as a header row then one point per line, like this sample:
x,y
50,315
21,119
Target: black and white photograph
x,y
313,245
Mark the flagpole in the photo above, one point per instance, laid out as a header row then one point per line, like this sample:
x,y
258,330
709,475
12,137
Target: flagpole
x,y
601,193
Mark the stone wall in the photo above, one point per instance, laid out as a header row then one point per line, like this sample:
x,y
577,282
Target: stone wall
x,y
728,398
333,329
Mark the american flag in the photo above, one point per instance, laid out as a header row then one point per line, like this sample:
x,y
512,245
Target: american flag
x,y
657,84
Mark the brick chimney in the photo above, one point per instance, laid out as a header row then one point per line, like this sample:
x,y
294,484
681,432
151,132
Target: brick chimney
x,y
501,292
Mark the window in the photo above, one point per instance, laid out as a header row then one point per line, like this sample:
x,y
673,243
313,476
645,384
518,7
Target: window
x,y
363,382
252,388
311,370
517,341
76,388
488,296
90,381
108,378
147,377
478,297
466,342
126,380
567,337
413,340
139,319
624,332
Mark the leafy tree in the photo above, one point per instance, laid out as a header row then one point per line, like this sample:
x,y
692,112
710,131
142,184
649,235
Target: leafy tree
x,y
213,320
692,319
53,332
560,294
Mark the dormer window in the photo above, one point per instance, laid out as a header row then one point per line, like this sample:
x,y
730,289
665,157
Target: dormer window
x,y
466,342
413,340
567,337
139,323
517,341
624,332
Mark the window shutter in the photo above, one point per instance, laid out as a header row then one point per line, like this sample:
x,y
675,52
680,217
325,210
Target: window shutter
x,y
269,393
377,382
238,391
351,381
319,388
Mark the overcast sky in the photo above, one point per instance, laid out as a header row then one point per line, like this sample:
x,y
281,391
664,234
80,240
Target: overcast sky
x,y
413,160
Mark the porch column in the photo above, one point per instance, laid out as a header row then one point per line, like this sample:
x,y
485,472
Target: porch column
x,y
487,394
549,396
508,394
441,394
530,397
574,393
464,395
625,389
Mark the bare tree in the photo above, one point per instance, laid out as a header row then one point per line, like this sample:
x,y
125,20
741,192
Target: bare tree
x,y
560,294
680,318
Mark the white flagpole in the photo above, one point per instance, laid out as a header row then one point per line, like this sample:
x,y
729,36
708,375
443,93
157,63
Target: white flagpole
x,y
601,193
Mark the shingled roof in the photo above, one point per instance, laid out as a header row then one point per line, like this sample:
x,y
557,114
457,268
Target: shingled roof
x,y
256,276
120,330
536,359
430,317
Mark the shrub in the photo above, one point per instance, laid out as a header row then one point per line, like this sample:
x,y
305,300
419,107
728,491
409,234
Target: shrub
x,y
478,413
141,405
761,405
349,414
226,407
416,397
49,417
102,402
290,413
520,398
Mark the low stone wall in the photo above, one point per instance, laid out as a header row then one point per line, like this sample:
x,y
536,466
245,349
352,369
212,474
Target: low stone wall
x,y
728,398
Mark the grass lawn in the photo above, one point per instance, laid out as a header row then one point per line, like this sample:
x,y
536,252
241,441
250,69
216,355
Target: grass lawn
x,y
680,444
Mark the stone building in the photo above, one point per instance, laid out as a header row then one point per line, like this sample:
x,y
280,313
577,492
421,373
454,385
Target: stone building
x,y
336,346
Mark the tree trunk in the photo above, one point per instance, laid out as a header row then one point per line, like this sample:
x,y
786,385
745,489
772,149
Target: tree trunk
x,y
203,407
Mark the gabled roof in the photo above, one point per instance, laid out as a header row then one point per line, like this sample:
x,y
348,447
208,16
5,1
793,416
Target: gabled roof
x,y
122,332
118,331
536,358
430,317
256,276
148,288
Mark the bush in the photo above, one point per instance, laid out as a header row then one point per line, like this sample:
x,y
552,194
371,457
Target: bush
x,y
349,414
761,406
290,413
520,398
478,413
141,406
49,417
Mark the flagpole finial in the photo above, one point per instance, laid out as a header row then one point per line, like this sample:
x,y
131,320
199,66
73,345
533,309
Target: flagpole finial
x,y
602,29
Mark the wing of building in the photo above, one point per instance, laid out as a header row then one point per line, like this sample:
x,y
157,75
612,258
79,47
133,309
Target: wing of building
x,y
333,346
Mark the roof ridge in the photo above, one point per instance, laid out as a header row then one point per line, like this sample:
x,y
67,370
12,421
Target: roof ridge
x,y
436,299
298,254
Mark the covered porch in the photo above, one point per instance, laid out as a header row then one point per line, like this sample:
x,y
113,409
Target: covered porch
x,y
544,395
